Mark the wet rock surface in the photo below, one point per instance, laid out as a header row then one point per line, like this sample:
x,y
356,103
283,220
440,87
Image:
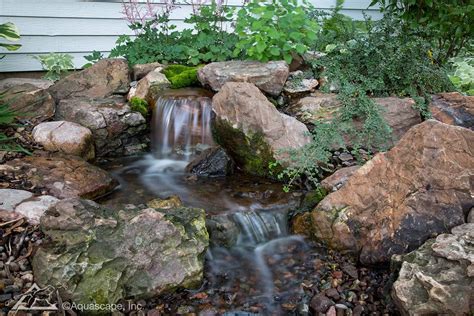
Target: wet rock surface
x,y
438,278
30,102
116,129
98,255
453,108
269,77
399,199
60,176
103,79
65,137
251,129
212,162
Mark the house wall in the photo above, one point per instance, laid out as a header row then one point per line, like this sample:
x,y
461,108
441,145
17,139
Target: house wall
x,y
78,27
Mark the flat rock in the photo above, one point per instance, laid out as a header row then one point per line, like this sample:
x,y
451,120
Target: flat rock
x,y
96,255
453,108
12,82
251,129
66,137
62,177
298,84
10,198
29,102
34,208
104,78
115,127
420,188
437,278
269,77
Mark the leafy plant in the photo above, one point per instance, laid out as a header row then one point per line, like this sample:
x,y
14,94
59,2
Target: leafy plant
x,y
380,62
274,30
9,32
446,23
181,76
92,58
139,105
463,74
7,117
55,64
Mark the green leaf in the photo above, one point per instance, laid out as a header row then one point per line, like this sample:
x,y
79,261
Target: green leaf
x,y
275,51
9,31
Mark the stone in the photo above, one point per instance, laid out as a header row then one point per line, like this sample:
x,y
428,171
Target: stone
x,y
399,113
299,83
269,77
10,198
212,162
12,82
96,255
141,70
102,79
453,108
29,102
335,181
66,137
320,303
168,203
114,126
251,130
437,278
223,231
62,176
420,188
470,216
152,83
34,208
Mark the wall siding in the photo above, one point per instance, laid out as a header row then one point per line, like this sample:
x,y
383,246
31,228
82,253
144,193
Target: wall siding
x,y
78,27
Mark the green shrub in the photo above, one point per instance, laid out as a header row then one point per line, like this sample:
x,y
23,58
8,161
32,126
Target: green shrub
x,y
92,58
380,62
55,64
181,76
7,117
448,24
274,30
139,105
463,74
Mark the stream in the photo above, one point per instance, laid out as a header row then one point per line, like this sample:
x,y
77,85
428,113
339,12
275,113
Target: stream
x,y
254,264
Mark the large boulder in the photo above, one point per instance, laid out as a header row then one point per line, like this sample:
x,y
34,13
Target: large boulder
x,y
116,129
104,78
453,108
251,129
61,176
391,205
66,137
29,102
438,278
399,113
269,77
96,255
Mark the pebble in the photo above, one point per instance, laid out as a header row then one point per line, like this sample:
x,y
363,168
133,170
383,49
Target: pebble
x,y
320,303
5,297
358,310
333,294
14,267
350,270
346,157
11,289
28,277
331,311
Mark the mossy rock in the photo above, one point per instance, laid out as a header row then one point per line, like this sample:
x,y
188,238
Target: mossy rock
x,y
139,105
181,76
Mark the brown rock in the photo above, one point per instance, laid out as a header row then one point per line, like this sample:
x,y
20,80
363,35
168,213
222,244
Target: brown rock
x,y
269,77
154,80
320,303
399,113
397,200
251,129
66,137
29,102
12,82
335,181
141,70
104,78
453,108
62,177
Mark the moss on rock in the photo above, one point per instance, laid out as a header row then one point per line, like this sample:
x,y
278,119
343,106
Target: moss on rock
x,y
181,76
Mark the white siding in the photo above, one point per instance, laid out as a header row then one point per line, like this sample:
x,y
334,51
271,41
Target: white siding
x,y
78,28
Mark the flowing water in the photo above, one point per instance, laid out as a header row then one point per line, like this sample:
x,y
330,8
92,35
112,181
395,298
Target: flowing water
x,y
254,263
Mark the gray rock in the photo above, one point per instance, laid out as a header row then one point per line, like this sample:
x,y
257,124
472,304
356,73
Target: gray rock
x,y
34,208
212,162
99,255
269,77
320,303
12,82
66,137
438,278
10,198
470,216
113,124
141,70
299,83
